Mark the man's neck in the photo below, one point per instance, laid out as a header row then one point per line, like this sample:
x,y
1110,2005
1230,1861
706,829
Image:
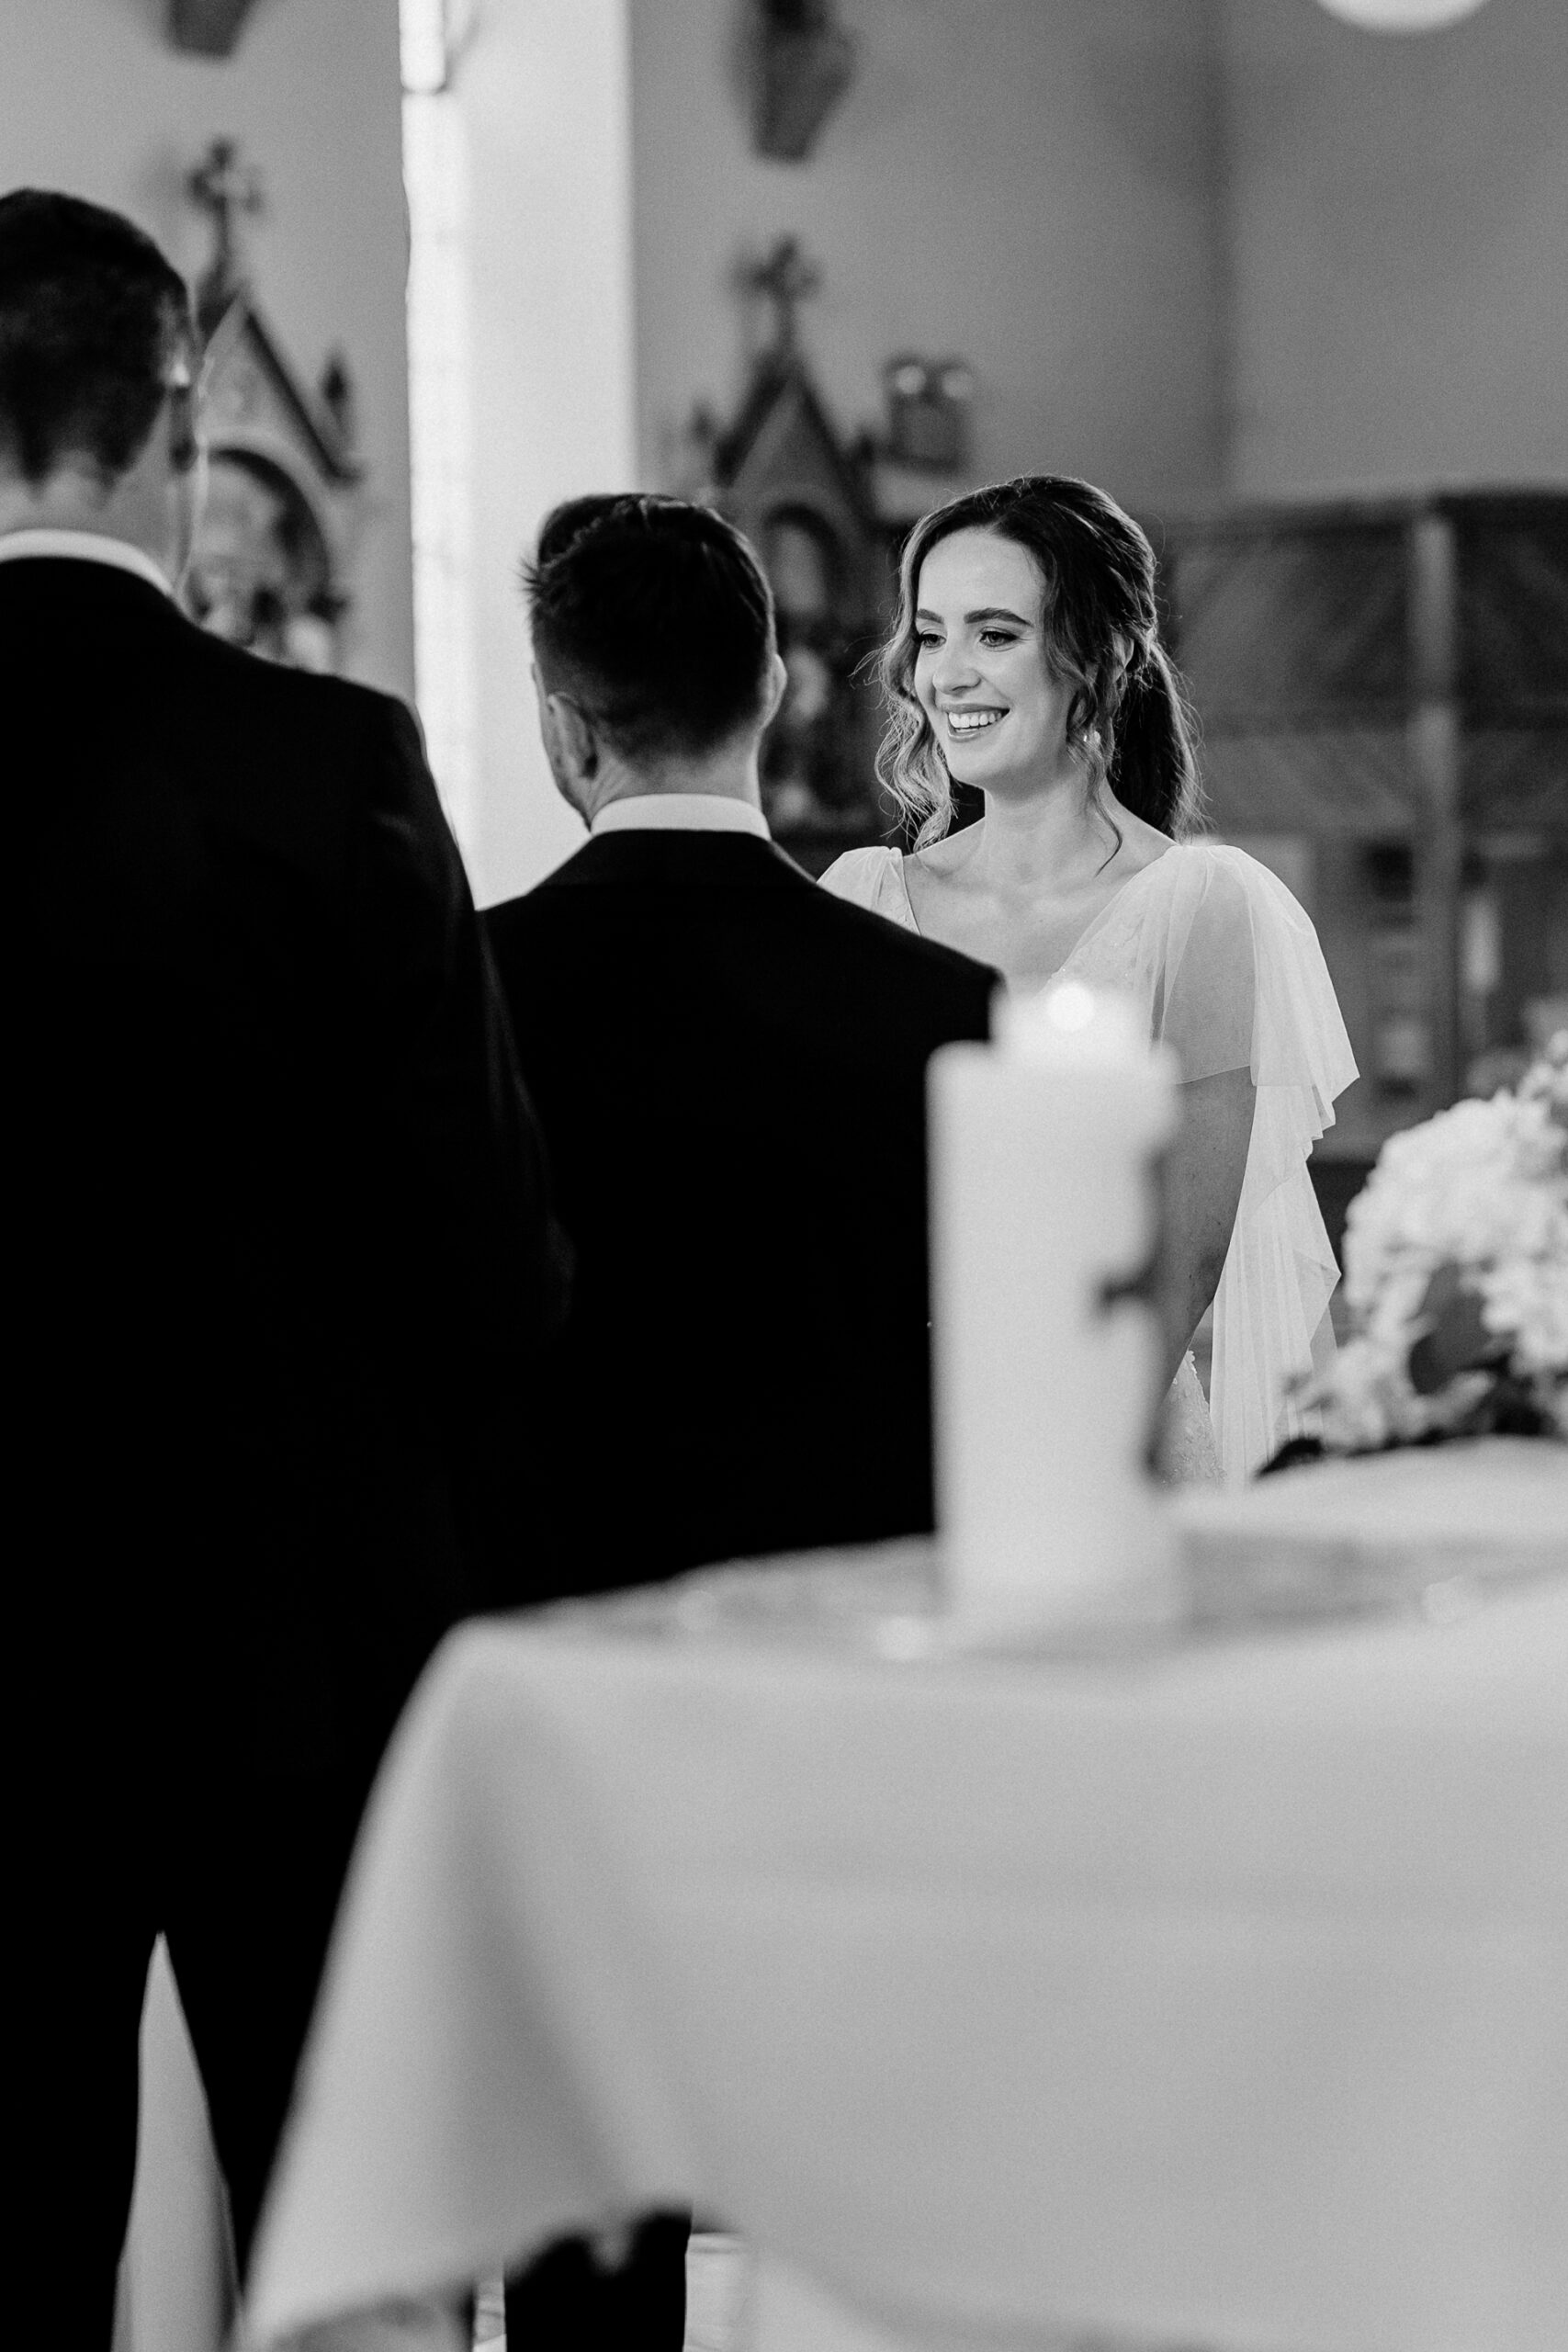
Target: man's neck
x,y
77,502
101,527
727,778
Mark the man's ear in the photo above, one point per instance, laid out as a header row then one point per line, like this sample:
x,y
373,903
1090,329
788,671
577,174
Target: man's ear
x,y
185,440
778,686
577,735
570,742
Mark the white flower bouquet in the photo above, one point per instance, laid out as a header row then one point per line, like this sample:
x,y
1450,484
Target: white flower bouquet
x,y
1456,1275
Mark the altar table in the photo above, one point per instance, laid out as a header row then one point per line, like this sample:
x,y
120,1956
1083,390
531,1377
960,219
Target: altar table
x,y
1207,1991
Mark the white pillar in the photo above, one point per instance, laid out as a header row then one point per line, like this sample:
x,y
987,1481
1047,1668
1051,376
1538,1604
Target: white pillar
x,y
545,94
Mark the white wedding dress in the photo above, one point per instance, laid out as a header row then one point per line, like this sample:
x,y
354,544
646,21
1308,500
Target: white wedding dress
x,y
1228,969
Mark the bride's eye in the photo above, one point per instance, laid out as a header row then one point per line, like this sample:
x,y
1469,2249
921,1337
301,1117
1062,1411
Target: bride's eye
x,y
997,637
926,639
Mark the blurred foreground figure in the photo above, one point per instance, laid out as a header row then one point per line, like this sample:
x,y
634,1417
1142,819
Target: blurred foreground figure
x,y
729,1065
282,1252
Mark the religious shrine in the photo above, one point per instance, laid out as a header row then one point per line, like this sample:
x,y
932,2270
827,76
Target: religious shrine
x,y
782,474
268,571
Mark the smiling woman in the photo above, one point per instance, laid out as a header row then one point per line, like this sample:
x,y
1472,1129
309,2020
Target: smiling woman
x,y
1026,664
1053,567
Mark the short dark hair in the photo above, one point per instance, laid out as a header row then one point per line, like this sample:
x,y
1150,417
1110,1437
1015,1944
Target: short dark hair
x,y
656,616
92,318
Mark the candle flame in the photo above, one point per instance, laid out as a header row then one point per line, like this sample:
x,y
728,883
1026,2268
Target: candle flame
x,y
1070,1006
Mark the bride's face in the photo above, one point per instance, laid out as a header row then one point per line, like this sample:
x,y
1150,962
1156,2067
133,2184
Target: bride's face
x,y
981,673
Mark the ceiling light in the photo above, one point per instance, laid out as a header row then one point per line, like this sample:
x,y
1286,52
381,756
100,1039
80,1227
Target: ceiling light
x,y
1401,16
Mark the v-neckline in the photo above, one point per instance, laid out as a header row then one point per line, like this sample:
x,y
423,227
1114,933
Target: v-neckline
x,y
1089,930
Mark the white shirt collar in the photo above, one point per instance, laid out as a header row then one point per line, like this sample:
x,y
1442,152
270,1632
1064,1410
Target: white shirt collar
x,y
688,812
87,546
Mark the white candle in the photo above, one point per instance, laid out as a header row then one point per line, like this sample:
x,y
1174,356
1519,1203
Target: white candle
x,y
1043,1147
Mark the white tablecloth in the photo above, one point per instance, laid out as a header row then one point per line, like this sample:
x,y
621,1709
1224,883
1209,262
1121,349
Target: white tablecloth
x,y
1217,1996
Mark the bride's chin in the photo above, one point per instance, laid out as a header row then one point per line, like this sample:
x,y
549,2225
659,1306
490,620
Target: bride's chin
x,y
954,774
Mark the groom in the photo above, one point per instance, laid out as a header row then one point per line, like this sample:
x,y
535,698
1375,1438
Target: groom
x,y
729,1065
278,1247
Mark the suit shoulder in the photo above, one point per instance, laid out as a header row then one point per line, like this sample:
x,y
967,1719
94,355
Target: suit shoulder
x,y
516,919
507,922
296,700
901,952
540,921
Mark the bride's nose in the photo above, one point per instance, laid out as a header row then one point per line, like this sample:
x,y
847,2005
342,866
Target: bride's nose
x,y
952,670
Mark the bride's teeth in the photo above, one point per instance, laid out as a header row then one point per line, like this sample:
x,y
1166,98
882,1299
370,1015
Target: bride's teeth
x,y
969,722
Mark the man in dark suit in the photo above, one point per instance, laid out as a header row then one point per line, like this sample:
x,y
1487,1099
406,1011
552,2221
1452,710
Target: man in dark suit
x,y
729,1067
280,1252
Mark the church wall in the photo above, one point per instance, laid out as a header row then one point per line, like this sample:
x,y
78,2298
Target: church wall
x,y
1035,189
1398,226
93,100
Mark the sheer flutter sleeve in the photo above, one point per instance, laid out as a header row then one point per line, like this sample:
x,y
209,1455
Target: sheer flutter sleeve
x,y
1230,968
874,878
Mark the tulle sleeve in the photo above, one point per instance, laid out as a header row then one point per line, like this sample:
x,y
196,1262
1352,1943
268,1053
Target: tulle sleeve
x,y
1245,984
1230,968
874,878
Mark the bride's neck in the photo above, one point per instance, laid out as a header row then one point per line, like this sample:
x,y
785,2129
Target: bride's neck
x,y
1051,840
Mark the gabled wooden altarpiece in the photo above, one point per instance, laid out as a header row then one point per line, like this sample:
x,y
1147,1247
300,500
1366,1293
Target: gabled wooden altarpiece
x,y
269,569
781,472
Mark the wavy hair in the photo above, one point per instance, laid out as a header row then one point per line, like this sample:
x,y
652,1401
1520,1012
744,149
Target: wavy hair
x,y
1129,719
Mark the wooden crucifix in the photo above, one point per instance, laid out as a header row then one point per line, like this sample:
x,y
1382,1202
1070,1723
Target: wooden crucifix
x,y
786,278
224,188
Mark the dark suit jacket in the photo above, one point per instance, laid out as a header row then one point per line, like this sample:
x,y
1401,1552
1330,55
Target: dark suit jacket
x,y
281,1240
729,1067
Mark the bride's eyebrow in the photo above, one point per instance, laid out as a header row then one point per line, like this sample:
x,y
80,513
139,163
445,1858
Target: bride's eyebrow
x,y
984,613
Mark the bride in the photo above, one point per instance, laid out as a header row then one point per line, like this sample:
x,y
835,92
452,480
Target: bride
x,y
1026,662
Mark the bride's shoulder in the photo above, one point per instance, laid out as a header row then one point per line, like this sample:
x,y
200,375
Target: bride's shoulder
x,y
1202,866
1209,927
863,876
1216,886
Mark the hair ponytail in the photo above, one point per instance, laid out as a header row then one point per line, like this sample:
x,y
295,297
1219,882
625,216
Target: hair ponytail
x,y
1152,768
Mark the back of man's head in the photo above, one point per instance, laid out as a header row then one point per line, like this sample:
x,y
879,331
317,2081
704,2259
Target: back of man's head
x,y
655,617
95,325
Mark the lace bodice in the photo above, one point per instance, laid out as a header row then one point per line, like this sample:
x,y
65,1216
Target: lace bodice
x,y
1228,969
